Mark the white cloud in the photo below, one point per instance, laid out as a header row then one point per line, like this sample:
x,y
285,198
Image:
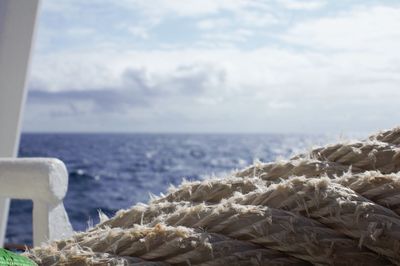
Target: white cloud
x,y
157,8
256,13
360,29
138,31
227,38
211,24
80,32
303,4
183,7
334,73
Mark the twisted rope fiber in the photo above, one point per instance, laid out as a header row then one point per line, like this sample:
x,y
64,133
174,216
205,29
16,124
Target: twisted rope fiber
x,y
391,136
282,169
379,152
332,160
80,256
211,190
343,209
369,155
337,207
379,188
362,183
173,245
275,229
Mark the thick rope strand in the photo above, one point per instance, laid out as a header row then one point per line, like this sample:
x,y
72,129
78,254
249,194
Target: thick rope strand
x,y
338,207
172,245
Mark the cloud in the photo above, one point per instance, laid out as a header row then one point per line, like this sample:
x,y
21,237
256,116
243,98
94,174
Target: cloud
x,y
205,86
138,89
369,29
64,23
322,73
99,101
210,24
138,31
227,39
184,7
303,4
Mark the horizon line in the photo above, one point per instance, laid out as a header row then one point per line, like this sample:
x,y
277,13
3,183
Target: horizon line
x,y
193,133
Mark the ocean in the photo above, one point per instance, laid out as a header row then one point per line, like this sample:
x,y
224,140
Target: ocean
x,y
108,172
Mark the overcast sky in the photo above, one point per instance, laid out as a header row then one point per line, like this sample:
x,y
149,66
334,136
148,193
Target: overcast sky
x,y
215,66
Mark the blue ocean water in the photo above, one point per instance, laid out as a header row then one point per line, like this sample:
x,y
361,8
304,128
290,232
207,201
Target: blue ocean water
x,y
108,172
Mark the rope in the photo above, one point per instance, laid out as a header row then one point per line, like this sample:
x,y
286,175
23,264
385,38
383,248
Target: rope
x,y
336,205
296,167
172,245
381,189
274,229
332,160
391,136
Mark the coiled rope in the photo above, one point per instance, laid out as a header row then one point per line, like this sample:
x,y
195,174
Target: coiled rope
x,y
336,205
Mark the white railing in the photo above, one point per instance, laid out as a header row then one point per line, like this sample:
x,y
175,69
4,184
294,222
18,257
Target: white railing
x,y
45,182
17,29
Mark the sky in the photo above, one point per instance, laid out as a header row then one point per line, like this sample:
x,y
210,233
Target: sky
x,y
246,66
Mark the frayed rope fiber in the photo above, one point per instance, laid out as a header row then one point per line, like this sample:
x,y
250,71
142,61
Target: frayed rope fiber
x,y
336,205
